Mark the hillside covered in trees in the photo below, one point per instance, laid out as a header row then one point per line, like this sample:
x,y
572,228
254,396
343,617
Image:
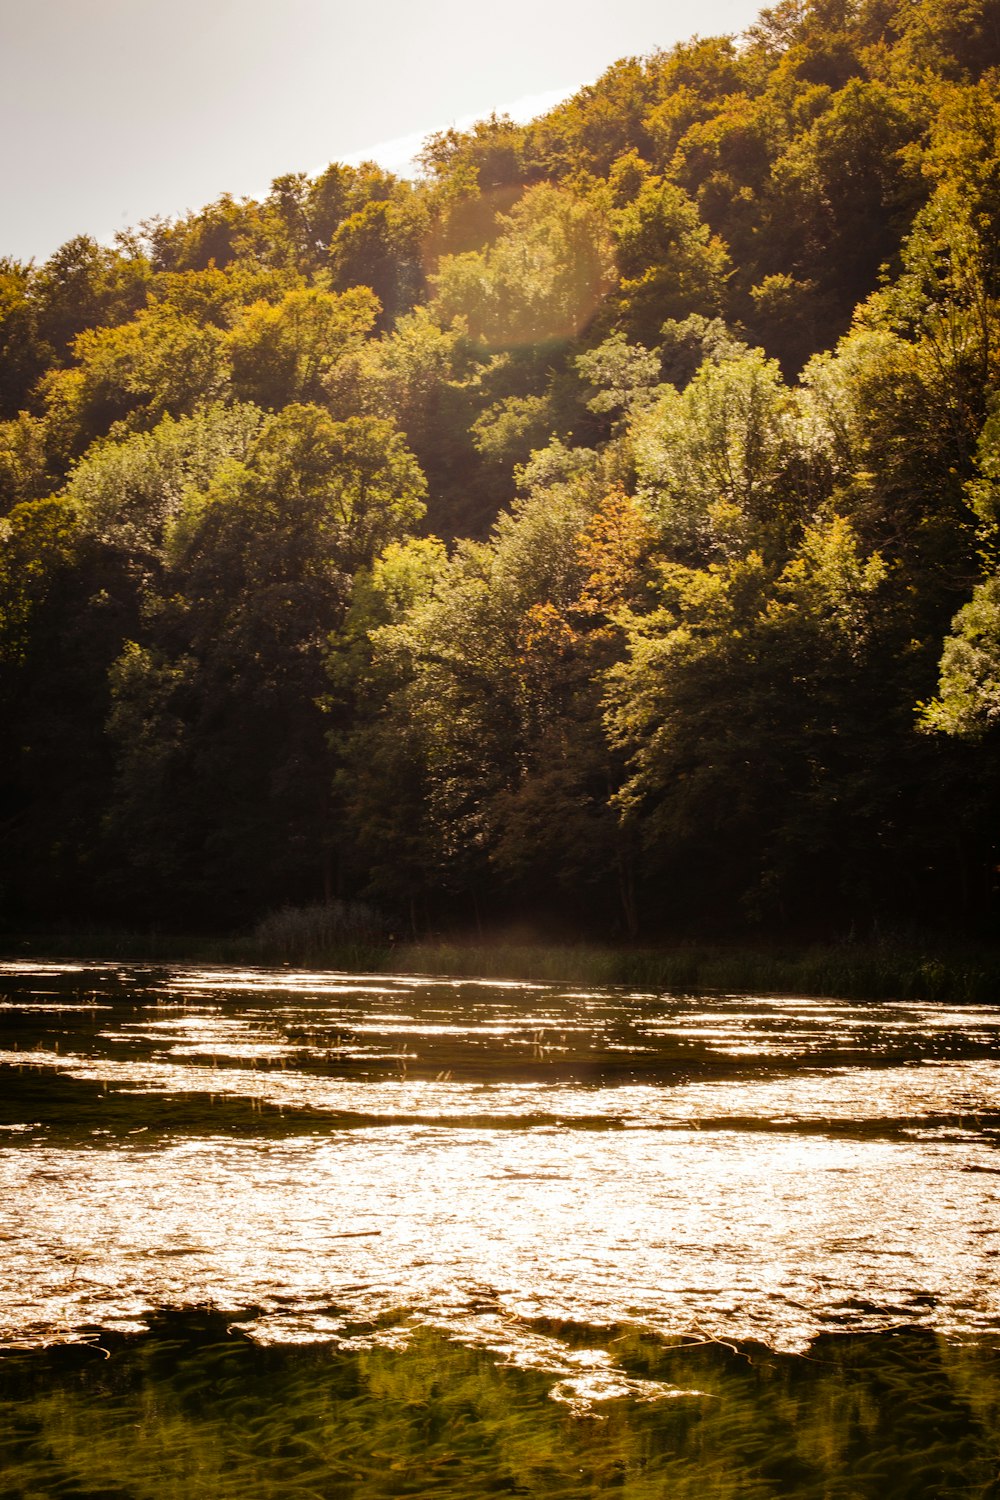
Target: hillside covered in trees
x,y
600,530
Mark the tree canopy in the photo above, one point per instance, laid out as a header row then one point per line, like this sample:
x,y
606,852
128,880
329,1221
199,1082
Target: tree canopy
x,y
600,530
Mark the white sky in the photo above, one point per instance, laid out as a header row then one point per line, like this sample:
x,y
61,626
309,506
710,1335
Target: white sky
x,y
114,110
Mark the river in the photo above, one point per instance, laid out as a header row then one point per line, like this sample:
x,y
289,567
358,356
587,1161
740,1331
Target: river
x,y
359,1161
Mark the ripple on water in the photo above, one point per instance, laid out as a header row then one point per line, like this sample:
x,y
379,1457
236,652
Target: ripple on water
x,y
327,1149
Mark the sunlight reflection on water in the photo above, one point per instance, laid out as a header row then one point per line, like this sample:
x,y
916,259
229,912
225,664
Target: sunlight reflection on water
x,y
326,1149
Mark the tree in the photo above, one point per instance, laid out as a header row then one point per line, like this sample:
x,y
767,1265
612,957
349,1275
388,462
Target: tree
x,y
773,772
62,617
381,247
898,466
724,466
842,192
540,283
669,262
423,378
85,285
223,773
968,700
960,38
37,542
225,231
946,300
375,744
128,493
602,121
620,374
22,359
282,353
489,681
25,469
161,363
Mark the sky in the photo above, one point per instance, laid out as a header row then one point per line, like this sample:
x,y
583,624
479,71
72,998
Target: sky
x,y
117,110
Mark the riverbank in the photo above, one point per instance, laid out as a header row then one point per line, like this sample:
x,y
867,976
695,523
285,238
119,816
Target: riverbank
x,y
893,968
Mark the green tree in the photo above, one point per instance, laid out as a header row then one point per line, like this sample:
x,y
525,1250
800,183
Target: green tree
x,y
37,541
221,297
63,611
540,283
127,493
282,353
842,194
968,700
621,375
773,771
900,467
490,681
959,38
947,301
381,246
223,773
225,231
669,262
602,121
25,469
22,357
422,378
724,465
83,286
374,741
161,363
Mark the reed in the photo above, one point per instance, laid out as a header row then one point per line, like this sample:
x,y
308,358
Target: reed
x,y
876,971
351,937
311,934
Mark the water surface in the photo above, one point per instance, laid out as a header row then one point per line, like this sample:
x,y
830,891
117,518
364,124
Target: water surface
x,y
353,1158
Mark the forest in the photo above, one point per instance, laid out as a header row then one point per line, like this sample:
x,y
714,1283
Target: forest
x,y
600,531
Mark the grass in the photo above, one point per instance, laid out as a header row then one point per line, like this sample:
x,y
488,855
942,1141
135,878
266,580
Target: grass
x,y
873,971
348,937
